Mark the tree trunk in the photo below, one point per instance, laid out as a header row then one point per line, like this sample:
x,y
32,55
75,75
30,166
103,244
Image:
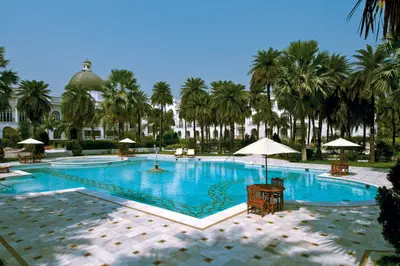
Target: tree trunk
x,y
294,129
139,121
327,129
364,134
194,131
303,140
162,127
120,130
291,125
258,130
393,135
309,131
314,132
34,129
185,132
220,140
372,131
319,141
202,137
266,128
232,127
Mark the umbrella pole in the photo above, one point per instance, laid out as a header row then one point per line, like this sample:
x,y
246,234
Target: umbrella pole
x,y
266,170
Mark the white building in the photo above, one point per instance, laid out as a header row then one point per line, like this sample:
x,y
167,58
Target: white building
x,y
86,78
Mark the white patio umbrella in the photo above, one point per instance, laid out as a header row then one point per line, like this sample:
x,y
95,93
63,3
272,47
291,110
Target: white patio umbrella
x,y
30,141
341,143
266,147
127,140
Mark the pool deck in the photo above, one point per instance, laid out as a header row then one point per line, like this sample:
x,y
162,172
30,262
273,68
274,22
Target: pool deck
x,y
76,227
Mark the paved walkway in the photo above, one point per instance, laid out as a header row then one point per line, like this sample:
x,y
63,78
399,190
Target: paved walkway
x,y
73,228
76,229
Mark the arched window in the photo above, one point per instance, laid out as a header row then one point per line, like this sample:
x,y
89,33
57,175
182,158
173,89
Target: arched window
x,y
197,133
188,134
56,115
215,134
22,116
7,115
180,123
179,134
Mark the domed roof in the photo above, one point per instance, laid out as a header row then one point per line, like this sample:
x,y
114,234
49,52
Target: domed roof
x,y
86,78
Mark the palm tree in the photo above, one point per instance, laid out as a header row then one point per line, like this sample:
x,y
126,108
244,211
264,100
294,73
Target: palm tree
x,y
34,100
78,108
142,109
265,72
161,96
230,101
119,90
190,89
200,103
377,14
368,66
301,80
8,78
49,123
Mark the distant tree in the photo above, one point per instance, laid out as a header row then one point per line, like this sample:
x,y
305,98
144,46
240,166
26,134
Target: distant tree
x,y
161,96
78,108
34,100
8,78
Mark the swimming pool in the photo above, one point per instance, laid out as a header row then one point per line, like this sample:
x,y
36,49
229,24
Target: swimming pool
x,y
191,187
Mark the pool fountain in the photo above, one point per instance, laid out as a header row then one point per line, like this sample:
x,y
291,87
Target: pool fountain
x,y
156,168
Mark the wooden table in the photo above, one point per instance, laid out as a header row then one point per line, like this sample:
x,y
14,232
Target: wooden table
x,y
271,189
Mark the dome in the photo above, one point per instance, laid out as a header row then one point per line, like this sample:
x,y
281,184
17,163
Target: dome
x,y
86,78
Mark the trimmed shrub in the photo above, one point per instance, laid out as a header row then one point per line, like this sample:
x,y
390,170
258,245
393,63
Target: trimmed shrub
x,y
175,146
311,154
6,142
389,203
98,144
2,155
76,148
44,137
191,144
147,142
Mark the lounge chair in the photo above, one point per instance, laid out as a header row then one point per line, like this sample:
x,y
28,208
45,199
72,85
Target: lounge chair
x,y
179,152
132,153
191,153
24,159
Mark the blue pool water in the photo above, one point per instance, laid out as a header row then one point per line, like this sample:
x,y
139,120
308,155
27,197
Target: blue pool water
x,y
190,187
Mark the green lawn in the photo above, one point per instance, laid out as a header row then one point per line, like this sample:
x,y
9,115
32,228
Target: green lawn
x,y
358,164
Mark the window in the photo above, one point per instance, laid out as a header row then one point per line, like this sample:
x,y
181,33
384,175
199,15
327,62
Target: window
x,y
6,116
56,134
284,133
179,134
188,134
180,125
56,115
197,133
22,117
215,134
189,124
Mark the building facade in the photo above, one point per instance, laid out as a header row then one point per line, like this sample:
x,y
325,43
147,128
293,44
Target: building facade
x,y
86,78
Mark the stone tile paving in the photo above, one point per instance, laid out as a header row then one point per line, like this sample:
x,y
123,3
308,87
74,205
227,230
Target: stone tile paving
x,y
75,229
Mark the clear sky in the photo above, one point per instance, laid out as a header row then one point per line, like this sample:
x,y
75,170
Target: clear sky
x,y
165,40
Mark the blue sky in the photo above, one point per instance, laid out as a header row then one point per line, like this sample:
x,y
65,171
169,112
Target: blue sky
x,y
165,40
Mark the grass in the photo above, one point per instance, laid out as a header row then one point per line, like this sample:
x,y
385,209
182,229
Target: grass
x,y
384,165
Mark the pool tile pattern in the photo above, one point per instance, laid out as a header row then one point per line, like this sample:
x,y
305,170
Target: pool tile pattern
x,y
110,234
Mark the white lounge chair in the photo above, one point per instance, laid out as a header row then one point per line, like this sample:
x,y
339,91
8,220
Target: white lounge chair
x,y
179,152
191,153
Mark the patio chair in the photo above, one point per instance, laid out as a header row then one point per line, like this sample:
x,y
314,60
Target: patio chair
x,y
255,200
4,169
179,152
191,153
24,159
278,196
132,153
